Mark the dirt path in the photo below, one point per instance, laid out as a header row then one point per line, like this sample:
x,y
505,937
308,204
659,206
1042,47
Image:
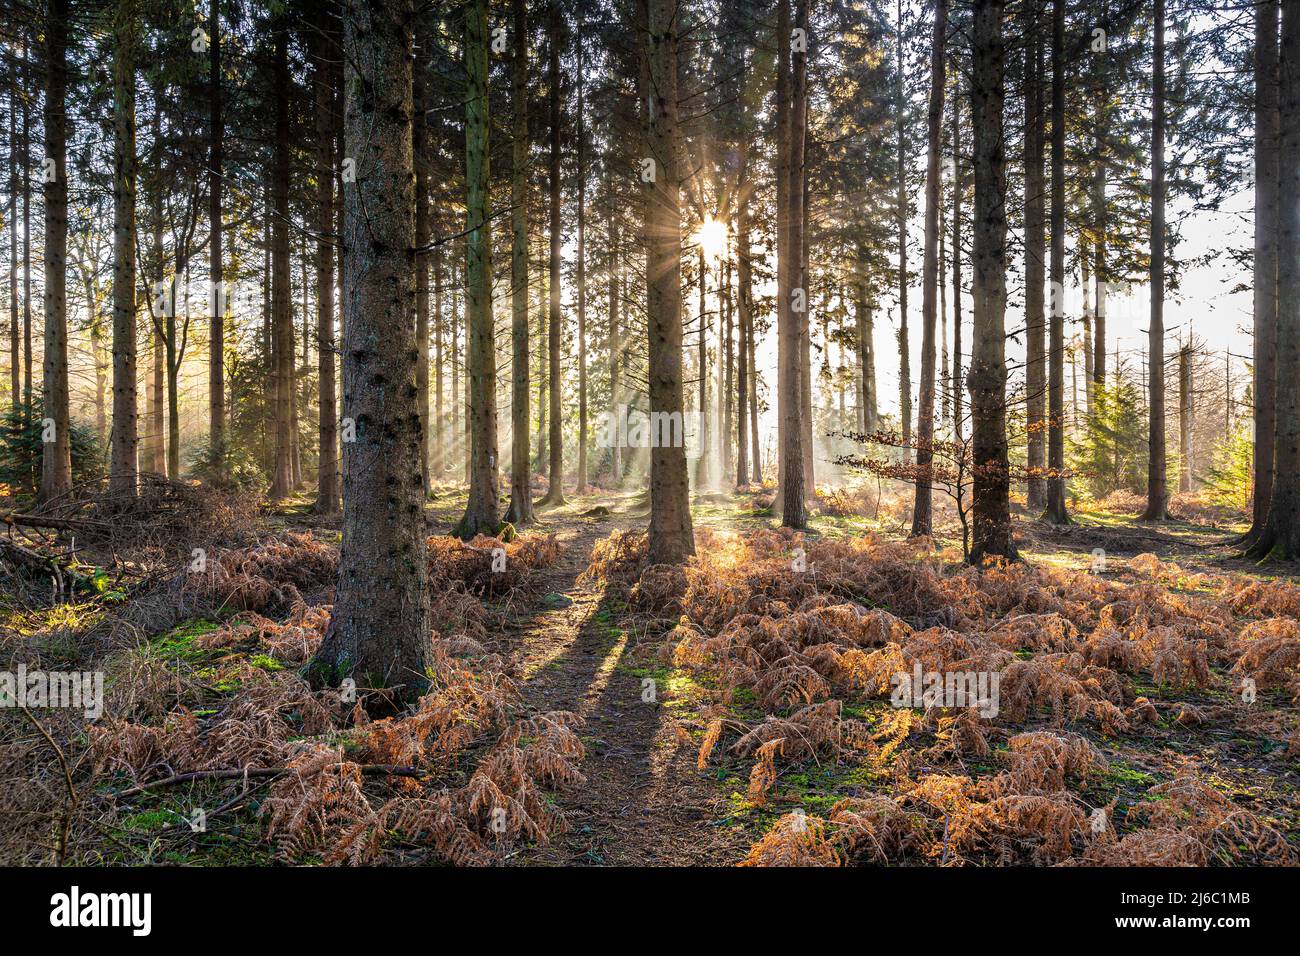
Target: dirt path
x,y
644,802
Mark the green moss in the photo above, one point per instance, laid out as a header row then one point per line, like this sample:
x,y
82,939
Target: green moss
x,y
148,820
179,642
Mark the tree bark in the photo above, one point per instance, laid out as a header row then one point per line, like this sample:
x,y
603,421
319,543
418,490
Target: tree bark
x,y
799,189
672,539
555,491
29,398
56,460
991,535
958,186
327,463
904,345
1267,133
520,511
580,271
922,511
615,346
743,280
1157,488
282,358
1280,536
1185,418
1055,511
379,629
423,232
439,333
481,514
123,468
865,323
726,393
1099,273
1035,243
216,296
16,174
789,269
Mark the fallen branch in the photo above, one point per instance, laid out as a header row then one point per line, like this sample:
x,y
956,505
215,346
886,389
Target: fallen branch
x,y
45,565
369,770
16,520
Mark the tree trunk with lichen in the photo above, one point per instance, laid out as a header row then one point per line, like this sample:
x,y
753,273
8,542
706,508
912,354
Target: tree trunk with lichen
x,y
481,512
922,512
987,378
123,466
1280,535
56,460
672,539
379,629
1157,489
520,511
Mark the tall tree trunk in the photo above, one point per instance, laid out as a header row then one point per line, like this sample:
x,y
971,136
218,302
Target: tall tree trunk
x,y
615,346
269,380
327,462
1099,274
866,343
991,532
581,276
1280,535
702,467
282,358
1035,244
922,511
157,395
520,511
159,304
1267,133
171,343
1055,511
904,345
29,398
958,186
542,359
481,514
216,295
744,322
555,491
457,398
1185,418
439,410
1085,340
379,629
805,274
725,394
123,468
792,298
56,460
423,233
17,173
101,359
467,399
1157,489
945,370
672,540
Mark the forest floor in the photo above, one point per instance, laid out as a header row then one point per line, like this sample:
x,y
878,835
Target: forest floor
x,y
645,802
655,789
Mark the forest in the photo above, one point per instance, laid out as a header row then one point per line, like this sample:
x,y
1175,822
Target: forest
x,y
649,433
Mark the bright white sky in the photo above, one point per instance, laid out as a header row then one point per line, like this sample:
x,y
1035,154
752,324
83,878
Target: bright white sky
x,y
1205,304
